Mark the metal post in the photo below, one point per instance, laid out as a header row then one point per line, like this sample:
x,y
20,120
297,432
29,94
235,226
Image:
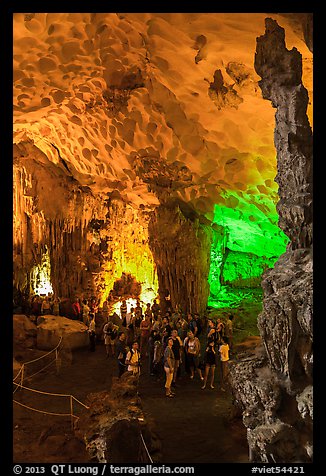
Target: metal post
x,y
22,377
71,413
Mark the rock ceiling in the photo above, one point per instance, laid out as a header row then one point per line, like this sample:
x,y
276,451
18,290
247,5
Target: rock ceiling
x,y
152,107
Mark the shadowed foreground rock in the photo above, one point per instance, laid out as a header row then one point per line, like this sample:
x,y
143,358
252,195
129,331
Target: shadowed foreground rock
x,y
114,427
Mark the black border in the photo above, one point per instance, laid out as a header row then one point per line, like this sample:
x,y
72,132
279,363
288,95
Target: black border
x,y
7,8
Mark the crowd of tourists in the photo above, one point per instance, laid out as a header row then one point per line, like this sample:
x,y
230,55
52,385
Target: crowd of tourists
x,y
174,345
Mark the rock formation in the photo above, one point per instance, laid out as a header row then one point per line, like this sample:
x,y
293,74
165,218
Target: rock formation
x,y
276,388
114,428
50,329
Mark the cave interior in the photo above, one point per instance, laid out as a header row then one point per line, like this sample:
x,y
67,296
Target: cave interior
x,y
152,159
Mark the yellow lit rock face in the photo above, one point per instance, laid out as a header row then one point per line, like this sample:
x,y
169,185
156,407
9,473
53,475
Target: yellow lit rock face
x,y
96,90
128,252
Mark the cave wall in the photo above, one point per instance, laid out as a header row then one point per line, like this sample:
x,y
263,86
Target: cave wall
x,y
240,269
181,249
51,215
275,388
90,239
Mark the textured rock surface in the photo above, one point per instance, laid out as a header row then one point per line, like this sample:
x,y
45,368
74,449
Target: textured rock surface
x,y
276,388
181,247
51,328
24,331
114,425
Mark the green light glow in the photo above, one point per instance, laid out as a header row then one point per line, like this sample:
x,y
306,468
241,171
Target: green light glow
x,y
247,240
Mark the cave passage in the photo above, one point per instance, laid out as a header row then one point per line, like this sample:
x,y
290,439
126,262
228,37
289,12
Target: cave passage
x,y
246,242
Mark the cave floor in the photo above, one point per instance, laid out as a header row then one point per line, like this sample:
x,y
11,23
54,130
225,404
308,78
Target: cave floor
x,y
197,426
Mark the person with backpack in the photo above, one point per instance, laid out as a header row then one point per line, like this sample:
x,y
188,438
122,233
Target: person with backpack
x,y
133,360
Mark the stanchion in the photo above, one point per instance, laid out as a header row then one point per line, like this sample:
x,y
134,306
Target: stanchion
x,y
72,413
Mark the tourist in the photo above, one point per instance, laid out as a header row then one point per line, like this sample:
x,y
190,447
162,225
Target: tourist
x,y
105,310
110,332
85,312
56,306
36,306
177,351
93,306
76,309
175,317
169,361
182,326
224,355
155,309
123,312
158,358
157,324
145,330
149,312
192,351
130,317
212,335
121,352
220,327
198,325
229,330
154,336
92,333
192,324
46,306
210,363
138,314
166,327
133,359
130,334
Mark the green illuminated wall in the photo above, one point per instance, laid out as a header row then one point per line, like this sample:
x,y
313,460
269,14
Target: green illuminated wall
x,y
246,241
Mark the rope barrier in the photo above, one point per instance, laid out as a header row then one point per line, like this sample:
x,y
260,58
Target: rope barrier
x,y
19,385
146,447
18,373
41,370
42,356
46,413
80,402
44,393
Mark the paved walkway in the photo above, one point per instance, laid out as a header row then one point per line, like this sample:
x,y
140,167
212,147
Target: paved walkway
x,y
194,427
